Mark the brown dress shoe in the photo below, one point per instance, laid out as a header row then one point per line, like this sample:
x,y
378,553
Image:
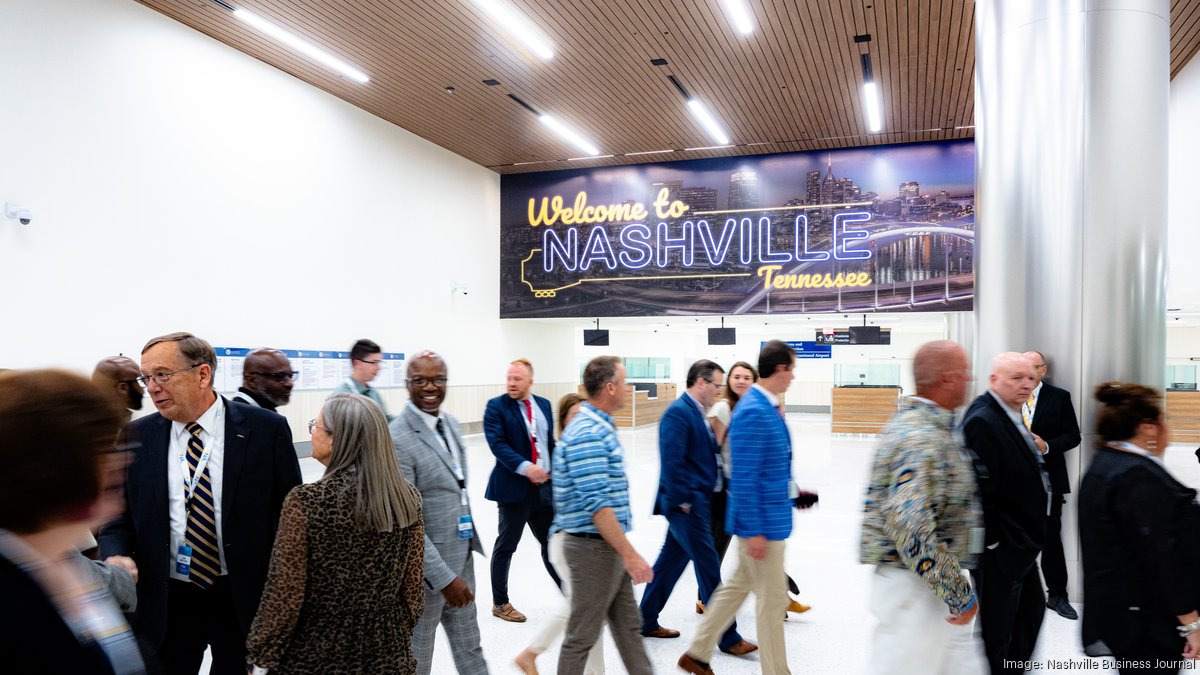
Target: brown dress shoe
x,y
741,648
796,607
699,607
508,613
693,666
661,632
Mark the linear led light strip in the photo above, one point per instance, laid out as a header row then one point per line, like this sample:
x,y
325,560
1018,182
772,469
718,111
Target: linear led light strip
x,y
518,26
740,14
562,130
709,123
297,43
871,99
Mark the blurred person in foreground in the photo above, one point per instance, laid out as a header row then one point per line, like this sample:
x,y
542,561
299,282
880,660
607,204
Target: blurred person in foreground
x,y
61,477
742,376
1138,529
568,405
923,527
345,586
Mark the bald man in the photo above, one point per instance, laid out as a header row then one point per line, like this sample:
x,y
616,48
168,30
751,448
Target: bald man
x,y
1016,495
119,374
267,380
923,527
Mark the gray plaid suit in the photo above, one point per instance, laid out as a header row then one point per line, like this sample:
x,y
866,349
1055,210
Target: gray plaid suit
x,y
426,464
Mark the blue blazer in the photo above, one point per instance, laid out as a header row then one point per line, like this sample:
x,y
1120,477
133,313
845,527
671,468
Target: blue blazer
x,y
761,459
687,455
508,437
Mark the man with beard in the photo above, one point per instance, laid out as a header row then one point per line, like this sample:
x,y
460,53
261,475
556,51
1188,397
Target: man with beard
x,y
120,374
267,380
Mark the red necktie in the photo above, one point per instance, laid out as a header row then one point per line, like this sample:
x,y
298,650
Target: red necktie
x,y
532,436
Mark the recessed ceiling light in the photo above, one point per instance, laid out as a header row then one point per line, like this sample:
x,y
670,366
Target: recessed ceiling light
x,y
518,26
739,15
706,120
568,134
301,45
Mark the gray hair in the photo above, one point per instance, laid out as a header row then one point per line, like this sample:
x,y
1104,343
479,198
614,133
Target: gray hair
x,y
362,444
194,350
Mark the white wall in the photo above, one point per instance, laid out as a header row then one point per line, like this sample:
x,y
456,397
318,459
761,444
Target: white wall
x,y
1183,209
178,184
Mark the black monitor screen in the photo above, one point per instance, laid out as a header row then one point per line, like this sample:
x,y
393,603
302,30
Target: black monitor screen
x,y
865,335
722,336
593,337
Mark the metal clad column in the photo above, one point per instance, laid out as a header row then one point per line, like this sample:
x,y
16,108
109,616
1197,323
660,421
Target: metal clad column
x,y
1071,163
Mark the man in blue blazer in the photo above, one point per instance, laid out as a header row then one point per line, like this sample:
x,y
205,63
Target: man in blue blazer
x,y
203,498
761,497
689,473
519,430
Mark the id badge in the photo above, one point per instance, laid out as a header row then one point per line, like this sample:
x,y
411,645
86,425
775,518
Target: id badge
x,y
466,529
183,560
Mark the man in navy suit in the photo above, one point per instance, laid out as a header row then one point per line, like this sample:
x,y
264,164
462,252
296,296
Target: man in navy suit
x,y
519,432
689,473
203,497
1015,491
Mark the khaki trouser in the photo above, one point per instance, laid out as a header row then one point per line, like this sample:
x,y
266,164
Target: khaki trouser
x,y
766,579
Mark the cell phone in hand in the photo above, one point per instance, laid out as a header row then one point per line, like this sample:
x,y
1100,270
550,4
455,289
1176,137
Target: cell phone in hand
x,y
806,500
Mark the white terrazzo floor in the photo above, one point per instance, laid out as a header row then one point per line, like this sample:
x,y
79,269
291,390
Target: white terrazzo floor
x,y
822,556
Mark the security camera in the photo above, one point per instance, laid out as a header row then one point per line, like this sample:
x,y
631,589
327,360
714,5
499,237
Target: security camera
x,y
458,289
19,213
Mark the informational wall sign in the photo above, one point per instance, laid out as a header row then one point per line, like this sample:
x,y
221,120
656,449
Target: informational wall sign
x,y
318,369
880,228
810,350
853,336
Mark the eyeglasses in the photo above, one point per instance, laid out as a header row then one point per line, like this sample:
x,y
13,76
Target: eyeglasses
x,y
373,363
312,426
163,378
280,377
718,386
421,381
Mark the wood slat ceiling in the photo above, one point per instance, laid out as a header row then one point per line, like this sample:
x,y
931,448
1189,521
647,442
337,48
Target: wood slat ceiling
x,y
793,84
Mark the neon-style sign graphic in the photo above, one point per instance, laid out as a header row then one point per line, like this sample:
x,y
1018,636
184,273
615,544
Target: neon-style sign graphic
x,y
675,244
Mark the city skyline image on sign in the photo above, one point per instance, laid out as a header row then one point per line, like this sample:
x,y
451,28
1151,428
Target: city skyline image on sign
x,y
869,229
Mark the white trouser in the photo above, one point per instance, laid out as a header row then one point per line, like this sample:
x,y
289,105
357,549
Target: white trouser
x,y
912,635
557,623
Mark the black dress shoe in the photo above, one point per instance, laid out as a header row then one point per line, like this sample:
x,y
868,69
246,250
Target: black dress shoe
x,y
1064,608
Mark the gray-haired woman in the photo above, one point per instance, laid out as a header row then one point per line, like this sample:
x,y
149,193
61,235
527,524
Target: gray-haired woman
x,y
344,590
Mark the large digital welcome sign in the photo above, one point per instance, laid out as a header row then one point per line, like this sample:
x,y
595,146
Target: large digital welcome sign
x,y
868,229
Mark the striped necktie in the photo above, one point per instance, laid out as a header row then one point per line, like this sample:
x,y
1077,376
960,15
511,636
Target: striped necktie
x,y
201,533
1027,412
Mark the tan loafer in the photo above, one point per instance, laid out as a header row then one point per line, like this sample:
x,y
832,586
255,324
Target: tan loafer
x,y
699,607
508,613
741,648
796,608
661,632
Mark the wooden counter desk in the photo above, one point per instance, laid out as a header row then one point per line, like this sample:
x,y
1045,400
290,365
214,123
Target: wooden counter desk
x,y
863,410
1183,415
640,409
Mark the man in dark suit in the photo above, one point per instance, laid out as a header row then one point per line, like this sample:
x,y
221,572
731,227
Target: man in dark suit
x,y
203,497
1016,495
1050,417
690,473
519,432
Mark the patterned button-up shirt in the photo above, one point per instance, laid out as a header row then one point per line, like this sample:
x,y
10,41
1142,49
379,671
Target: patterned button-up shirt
x,y
922,506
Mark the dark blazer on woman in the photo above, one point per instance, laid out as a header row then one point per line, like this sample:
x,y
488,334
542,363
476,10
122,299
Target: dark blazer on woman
x,y
1138,529
33,637
338,599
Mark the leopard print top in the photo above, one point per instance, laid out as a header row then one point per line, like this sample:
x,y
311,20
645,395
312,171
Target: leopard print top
x,y
338,600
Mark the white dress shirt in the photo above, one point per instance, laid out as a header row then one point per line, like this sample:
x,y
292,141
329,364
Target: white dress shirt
x,y
213,436
1029,408
542,426
455,451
